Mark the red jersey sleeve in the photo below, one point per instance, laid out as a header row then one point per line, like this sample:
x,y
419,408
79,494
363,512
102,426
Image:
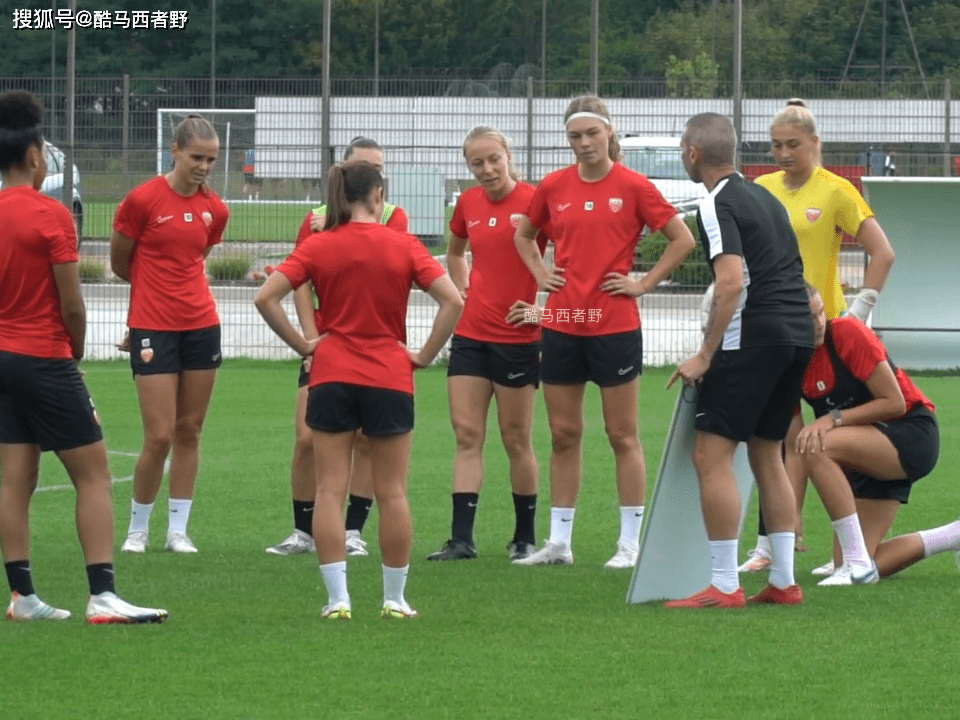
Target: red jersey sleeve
x,y
220,217
131,218
538,213
860,350
63,238
653,209
426,269
295,266
305,230
458,223
398,220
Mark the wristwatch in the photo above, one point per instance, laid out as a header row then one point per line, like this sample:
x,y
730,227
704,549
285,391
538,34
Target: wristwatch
x,y
837,417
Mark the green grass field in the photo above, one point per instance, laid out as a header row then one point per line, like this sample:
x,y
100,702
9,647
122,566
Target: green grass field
x,y
244,639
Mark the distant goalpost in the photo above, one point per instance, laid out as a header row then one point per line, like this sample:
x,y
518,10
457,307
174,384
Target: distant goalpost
x,y
236,129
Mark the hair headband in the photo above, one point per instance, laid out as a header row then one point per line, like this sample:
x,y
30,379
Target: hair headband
x,y
593,115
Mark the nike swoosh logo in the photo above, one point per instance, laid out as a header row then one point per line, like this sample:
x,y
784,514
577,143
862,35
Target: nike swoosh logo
x,y
473,223
700,414
471,504
624,371
566,519
514,376
162,219
216,357
563,207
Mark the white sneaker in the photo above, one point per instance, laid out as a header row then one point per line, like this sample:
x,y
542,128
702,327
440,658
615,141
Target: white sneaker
x,y
393,609
180,543
625,558
826,569
107,609
136,542
30,607
297,544
853,575
336,611
356,545
553,553
757,561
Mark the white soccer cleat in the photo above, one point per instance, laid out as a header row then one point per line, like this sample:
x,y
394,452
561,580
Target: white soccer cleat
x,y
180,543
826,569
757,561
841,576
24,608
625,558
356,545
336,611
297,544
108,609
553,553
397,610
853,575
136,542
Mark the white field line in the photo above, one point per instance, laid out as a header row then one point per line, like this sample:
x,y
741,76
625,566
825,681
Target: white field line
x,y
125,478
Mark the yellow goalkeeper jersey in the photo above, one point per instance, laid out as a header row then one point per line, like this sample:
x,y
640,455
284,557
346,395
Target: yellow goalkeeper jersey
x,y
820,212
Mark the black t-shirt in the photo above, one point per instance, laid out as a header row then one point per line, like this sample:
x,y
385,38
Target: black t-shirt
x,y
745,219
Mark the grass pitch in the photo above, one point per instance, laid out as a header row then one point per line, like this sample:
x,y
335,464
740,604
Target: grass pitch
x,y
244,639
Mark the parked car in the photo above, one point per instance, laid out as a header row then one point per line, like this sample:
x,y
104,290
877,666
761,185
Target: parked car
x,y
660,159
53,183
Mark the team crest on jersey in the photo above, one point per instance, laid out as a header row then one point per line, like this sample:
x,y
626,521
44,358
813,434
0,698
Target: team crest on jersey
x,y
492,222
813,214
146,354
821,385
188,217
588,205
515,219
206,217
616,204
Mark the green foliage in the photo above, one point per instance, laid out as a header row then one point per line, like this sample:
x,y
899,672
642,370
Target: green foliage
x,y
694,273
692,78
230,266
92,270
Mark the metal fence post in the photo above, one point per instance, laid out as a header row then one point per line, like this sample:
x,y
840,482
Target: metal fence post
x,y
529,173
946,127
126,131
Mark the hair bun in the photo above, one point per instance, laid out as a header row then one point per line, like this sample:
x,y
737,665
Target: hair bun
x,y
796,102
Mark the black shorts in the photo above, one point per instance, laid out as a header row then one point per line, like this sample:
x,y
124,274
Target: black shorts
x,y
45,402
607,360
752,392
341,407
304,378
160,352
510,365
916,436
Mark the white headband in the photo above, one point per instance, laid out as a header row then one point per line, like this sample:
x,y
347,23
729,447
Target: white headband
x,y
593,115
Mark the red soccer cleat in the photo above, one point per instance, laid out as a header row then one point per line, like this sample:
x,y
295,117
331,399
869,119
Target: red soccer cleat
x,y
771,595
712,597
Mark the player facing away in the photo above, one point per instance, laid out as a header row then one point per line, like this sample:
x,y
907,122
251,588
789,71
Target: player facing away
x,y
303,487
162,233
875,435
495,350
44,403
362,374
822,207
596,209
758,342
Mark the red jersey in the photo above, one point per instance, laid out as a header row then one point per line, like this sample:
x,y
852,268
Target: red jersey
x,y
362,273
498,275
595,227
36,233
172,234
861,351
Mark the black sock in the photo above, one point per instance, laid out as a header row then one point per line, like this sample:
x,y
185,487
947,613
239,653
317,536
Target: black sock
x,y
464,513
303,516
761,526
358,510
101,578
20,577
525,508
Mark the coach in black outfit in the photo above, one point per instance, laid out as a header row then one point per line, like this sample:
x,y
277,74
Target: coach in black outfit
x,y
758,341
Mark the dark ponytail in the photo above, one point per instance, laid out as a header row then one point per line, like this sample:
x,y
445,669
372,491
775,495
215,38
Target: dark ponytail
x,y
350,184
20,116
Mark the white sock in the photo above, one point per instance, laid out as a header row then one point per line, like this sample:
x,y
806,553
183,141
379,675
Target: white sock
x,y
394,581
139,517
179,515
723,575
851,540
561,525
335,579
631,518
940,539
781,570
764,545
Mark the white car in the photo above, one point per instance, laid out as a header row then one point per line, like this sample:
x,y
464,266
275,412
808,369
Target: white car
x,y
659,158
53,183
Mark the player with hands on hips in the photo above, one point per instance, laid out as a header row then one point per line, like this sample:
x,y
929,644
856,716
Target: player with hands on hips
x,y
748,370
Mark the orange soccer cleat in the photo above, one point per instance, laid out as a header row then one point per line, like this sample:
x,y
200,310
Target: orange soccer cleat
x,y
712,597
